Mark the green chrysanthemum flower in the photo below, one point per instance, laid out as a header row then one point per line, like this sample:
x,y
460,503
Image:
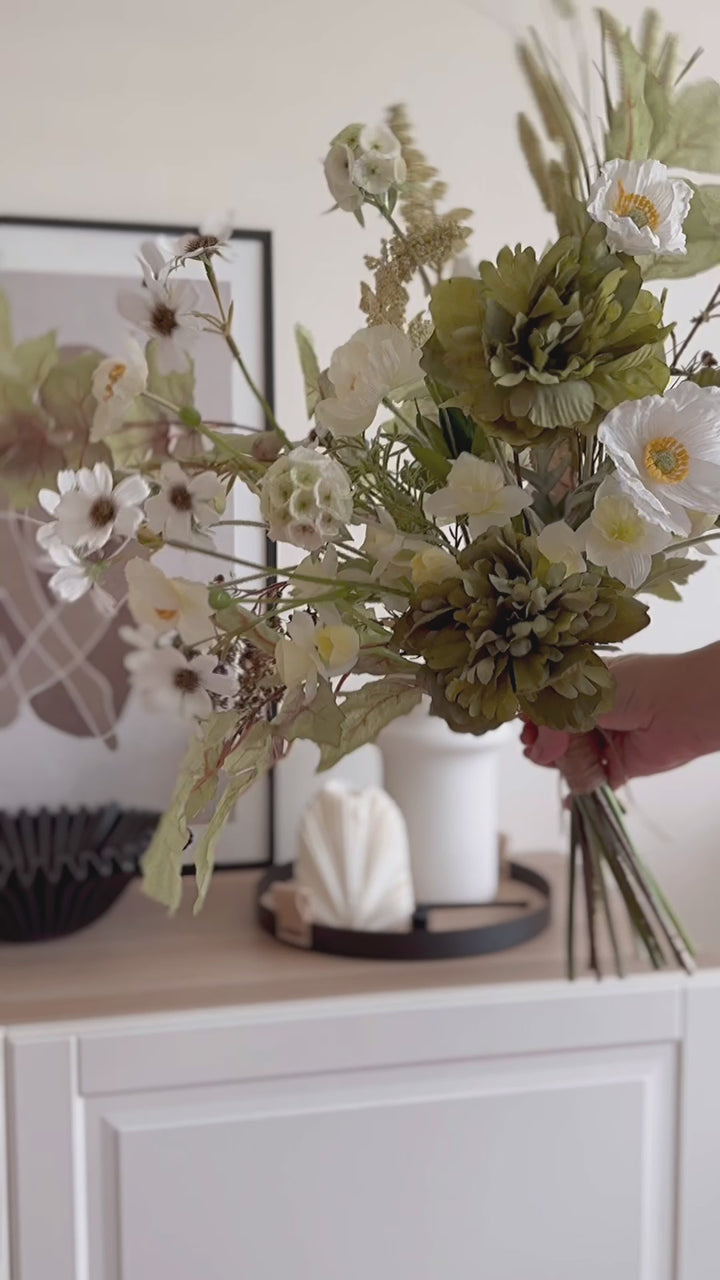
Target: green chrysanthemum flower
x,y
533,346
517,635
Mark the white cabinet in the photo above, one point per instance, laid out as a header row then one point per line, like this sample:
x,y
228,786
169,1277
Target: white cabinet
x,y
515,1133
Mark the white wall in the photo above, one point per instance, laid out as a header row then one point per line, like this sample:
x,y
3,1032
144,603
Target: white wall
x,y
164,111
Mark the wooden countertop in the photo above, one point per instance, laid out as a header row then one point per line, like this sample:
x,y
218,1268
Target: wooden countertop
x,y
137,960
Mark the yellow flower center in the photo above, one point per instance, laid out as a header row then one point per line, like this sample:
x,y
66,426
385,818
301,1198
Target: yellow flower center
x,y
667,460
630,204
167,615
625,529
117,372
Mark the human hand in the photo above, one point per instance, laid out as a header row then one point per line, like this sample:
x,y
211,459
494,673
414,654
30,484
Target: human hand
x,y
666,712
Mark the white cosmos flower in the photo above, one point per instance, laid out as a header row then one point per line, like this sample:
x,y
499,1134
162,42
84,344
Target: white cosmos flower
x,y
376,362
165,312
476,489
116,384
377,173
154,264
642,207
667,453
168,604
432,564
212,235
306,498
185,503
89,508
619,538
75,577
168,681
562,545
338,166
313,651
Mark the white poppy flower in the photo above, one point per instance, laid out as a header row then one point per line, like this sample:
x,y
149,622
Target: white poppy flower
x,y
642,207
619,538
115,385
168,604
376,362
165,312
338,167
376,173
379,140
212,235
306,498
89,508
168,681
310,652
476,489
432,564
185,503
75,577
667,453
562,545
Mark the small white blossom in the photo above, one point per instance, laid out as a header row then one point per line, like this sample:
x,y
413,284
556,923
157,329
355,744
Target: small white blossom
x,y
116,384
562,545
376,362
476,489
89,508
642,207
376,173
619,538
168,681
75,577
212,235
185,503
169,604
339,164
306,498
379,140
667,453
390,550
165,311
310,652
432,564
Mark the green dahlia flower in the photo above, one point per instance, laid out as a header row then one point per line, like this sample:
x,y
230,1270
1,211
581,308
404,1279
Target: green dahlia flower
x,y
516,635
533,346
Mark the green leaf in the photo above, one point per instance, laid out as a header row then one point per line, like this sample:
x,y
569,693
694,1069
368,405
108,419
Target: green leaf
x,y
667,574
310,367
29,458
366,711
66,394
162,861
319,721
248,762
629,616
692,137
178,388
6,335
631,121
35,358
702,231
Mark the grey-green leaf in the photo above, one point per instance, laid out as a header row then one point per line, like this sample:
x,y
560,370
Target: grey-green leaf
x,y
310,367
366,711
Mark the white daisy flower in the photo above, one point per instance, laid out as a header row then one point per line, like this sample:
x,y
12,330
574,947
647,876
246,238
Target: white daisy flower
x,y
165,312
75,577
376,362
313,651
184,504
142,640
169,604
89,508
642,207
115,385
667,453
562,545
154,263
168,681
476,489
619,538
212,235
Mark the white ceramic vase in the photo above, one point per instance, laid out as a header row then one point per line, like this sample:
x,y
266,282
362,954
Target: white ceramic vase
x,y
445,783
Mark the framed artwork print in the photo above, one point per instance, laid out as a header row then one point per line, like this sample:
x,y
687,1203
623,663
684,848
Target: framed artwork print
x,y
70,731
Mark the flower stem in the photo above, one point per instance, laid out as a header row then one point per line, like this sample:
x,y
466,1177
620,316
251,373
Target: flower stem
x,y
703,318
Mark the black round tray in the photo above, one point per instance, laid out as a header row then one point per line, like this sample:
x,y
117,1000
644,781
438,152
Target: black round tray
x,y
421,942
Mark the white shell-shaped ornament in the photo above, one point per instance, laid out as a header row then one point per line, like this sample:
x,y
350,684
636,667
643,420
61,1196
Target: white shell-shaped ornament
x,y
354,860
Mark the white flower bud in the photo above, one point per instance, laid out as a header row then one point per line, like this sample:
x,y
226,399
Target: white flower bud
x,y
306,499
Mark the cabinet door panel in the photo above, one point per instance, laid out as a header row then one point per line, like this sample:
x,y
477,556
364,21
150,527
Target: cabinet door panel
x,y
551,1167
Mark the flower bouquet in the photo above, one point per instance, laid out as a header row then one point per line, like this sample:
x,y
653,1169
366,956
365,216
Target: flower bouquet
x,y
500,467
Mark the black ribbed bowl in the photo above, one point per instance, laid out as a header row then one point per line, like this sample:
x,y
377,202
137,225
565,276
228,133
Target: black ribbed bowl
x,y
60,870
